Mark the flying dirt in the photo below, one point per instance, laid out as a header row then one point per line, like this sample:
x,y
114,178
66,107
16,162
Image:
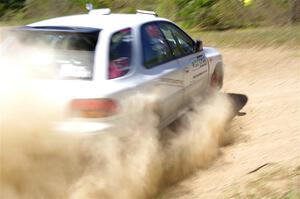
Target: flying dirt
x,y
39,162
136,160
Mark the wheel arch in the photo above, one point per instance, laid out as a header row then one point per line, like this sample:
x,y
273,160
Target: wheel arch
x,y
218,71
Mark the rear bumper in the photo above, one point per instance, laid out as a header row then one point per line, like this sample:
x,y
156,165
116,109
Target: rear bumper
x,y
82,127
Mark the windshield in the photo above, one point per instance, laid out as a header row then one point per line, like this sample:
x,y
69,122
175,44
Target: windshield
x,y
56,52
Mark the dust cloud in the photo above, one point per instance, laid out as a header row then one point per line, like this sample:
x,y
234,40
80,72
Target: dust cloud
x,y
134,161
2,32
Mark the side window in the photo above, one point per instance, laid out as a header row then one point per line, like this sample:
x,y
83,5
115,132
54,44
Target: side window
x,y
120,53
156,49
180,42
172,40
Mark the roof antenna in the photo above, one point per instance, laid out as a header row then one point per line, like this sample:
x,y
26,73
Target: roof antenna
x,y
89,6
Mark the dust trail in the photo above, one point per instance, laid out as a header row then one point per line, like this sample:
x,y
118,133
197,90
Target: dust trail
x,y
125,163
35,161
201,134
133,161
141,162
2,32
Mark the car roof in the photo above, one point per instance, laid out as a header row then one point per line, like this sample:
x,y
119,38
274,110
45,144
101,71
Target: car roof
x,y
100,21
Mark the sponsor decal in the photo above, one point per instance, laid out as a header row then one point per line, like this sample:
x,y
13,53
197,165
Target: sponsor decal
x,y
200,62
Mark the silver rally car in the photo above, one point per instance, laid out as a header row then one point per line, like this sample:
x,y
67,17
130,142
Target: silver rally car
x,y
99,58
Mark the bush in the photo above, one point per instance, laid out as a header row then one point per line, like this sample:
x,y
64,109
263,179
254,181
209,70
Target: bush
x,y
207,14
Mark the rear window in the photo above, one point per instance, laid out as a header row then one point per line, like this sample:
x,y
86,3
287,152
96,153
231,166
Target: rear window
x,y
60,53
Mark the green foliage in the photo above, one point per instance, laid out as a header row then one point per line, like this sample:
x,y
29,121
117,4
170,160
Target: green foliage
x,y
8,6
225,14
207,14
288,36
195,12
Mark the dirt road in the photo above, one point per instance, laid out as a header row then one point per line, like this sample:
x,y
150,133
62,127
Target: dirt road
x,y
264,158
2,29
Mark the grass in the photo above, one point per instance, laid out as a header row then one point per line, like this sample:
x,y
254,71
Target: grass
x,y
255,37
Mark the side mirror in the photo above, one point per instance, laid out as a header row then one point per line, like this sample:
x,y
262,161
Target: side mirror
x,y
198,46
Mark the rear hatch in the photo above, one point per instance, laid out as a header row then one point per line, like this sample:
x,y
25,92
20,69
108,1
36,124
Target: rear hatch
x,y
56,66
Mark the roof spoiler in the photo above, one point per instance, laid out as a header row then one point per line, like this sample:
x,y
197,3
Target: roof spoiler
x,y
147,12
61,29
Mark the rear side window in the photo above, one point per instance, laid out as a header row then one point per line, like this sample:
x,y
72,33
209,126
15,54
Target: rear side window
x,y
120,53
156,50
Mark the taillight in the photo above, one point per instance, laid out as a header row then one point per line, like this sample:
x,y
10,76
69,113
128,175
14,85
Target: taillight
x,y
93,108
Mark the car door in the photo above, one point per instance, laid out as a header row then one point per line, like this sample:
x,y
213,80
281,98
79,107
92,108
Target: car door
x,y
195,64
160,63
